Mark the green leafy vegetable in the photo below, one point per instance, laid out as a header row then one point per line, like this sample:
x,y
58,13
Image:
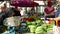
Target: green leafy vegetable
x,y
32,28
40,30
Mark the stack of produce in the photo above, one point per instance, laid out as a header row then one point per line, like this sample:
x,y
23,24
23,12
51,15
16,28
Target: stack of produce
x,y
38,26
44,28
32,25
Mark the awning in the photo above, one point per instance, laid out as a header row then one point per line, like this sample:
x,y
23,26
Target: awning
x,y
24,4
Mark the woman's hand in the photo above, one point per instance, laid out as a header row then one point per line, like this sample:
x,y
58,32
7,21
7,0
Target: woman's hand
x,y
51,19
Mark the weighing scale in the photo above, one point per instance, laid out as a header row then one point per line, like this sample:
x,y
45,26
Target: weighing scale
x,y
11,23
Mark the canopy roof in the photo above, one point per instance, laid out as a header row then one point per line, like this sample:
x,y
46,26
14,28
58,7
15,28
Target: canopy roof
x,y
24,3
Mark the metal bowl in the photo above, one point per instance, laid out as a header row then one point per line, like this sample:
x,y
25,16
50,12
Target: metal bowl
x,y
12,21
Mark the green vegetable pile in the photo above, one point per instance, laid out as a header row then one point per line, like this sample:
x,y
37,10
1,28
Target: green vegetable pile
x,y
44,28
39,27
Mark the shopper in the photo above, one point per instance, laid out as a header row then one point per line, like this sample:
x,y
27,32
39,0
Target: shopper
x,y
49,10
56,30
57,14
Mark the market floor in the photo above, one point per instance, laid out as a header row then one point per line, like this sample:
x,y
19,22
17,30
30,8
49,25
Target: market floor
x,y
26,33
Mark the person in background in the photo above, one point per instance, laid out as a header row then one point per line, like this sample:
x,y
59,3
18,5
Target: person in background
x,y
2,13
5,5
2,8
1,16
5,13
31,11
57,13
49,10
16,11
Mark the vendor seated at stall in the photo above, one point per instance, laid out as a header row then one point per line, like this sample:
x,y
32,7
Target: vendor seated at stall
x,y
49,10
57,14
16,11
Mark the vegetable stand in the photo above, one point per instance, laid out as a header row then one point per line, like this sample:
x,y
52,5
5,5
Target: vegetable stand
x,y
39,27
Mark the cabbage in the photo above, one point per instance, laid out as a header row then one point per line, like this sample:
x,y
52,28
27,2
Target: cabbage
x,y
39,30
33,23
50,26
32,28
44,26
49,29
37,21
28,23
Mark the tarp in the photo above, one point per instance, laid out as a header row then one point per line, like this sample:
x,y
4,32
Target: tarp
x,y
24,3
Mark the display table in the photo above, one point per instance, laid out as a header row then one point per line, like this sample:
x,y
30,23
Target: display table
x,y
11,22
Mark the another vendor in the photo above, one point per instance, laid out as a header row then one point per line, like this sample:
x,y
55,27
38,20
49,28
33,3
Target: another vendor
x,y
16,11
49,10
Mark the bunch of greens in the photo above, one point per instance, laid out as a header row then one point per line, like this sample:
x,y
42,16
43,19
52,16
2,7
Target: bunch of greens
x,y
38,26
32,28
50,26
39,30
32,25
44,28
36,22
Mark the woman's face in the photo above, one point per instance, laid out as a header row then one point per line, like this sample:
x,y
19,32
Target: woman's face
x,y
49,4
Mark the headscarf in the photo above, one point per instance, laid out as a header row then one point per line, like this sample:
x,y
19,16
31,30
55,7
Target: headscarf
x,y
49,3
49,9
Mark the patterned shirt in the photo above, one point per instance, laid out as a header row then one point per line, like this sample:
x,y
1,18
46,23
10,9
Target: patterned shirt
x,y
58,11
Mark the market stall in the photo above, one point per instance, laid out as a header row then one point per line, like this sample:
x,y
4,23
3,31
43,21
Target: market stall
x,y
28,23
